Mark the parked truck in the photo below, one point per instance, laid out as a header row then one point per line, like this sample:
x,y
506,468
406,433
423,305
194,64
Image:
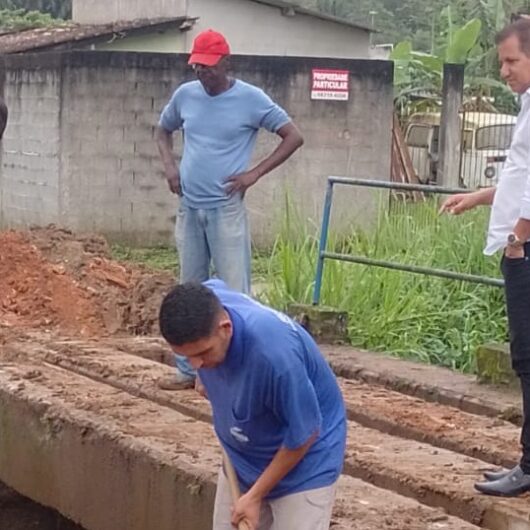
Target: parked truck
x,y
486,139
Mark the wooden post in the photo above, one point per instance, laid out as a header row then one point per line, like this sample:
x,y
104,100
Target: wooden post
x,y
448,174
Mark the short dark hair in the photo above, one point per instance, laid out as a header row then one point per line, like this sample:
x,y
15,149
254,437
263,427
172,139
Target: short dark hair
x,y
521,29
188,313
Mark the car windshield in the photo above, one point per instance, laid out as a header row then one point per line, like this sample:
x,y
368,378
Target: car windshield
x,y
418,136
495,136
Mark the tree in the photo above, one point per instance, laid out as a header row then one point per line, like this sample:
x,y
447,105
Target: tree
x,y
428,27
56,8
419,20
420,74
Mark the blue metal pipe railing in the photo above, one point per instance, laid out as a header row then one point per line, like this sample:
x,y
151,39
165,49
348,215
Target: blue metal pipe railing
x,y
323,254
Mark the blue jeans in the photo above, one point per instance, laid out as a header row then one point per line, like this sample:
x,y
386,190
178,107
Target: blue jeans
x,y
218,237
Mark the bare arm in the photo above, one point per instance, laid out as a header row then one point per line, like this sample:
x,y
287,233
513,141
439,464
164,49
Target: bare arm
x,y
291,141
461,202
248,506
164,140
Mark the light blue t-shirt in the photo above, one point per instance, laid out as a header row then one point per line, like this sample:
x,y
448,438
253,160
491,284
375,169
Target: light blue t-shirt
x,y
275,390
219,136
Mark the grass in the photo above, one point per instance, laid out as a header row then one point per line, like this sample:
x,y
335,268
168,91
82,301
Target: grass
x,y
423,318
166,259
157,258
413,316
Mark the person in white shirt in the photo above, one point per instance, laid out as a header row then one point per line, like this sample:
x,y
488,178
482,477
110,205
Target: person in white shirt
x,y
509,232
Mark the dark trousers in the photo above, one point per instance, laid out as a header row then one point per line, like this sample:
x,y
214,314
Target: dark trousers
x,y
516,274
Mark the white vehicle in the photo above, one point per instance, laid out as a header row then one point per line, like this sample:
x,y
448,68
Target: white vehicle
x,y
486,138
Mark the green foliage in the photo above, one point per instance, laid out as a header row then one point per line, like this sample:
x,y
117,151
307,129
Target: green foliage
x,y
429,28
462,41
425,318
56,8
20,19
422,22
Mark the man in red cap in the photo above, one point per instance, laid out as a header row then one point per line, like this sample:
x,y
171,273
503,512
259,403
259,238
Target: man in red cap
x,y
220,118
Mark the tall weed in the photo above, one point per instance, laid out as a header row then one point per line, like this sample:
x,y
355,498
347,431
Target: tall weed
x,y
414,316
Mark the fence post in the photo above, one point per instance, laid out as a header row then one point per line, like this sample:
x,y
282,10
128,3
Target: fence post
x,y
323,242
448,174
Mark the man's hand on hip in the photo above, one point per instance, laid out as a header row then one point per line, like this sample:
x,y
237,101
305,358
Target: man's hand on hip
x,y
514,252
240,183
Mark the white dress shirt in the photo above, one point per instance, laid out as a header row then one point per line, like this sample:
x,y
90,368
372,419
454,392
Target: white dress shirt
x,y
512,198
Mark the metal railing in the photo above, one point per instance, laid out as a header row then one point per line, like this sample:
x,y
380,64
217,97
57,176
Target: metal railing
x,y
323,254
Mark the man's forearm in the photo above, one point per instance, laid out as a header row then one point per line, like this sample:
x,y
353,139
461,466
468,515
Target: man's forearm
x,y
291,141
284,461
164,141
485,196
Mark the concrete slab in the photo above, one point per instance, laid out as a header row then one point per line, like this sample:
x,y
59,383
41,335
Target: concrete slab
x,y
491,440
111,460
427,382
435,476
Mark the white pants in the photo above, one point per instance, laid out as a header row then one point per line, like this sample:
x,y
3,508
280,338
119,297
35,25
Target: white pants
x,y
310,510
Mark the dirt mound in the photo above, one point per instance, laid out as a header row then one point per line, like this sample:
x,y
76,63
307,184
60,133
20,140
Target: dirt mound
x,y
51,279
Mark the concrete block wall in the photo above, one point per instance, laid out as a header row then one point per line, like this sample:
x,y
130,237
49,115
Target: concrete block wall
x,y
341,138
30,178
101,171
110,159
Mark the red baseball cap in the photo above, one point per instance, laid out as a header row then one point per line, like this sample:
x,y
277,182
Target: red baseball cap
x,y
209,47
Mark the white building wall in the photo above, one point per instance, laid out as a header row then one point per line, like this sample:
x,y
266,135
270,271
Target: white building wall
x,y
250,27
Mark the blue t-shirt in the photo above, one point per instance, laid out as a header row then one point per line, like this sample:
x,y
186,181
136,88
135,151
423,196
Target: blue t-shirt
x,y
219,136
275,389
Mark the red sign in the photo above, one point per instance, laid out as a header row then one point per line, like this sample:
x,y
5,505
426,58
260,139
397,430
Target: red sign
x,y
330,84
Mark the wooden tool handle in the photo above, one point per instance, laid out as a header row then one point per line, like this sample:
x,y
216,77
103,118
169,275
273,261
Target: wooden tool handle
x,y
233,485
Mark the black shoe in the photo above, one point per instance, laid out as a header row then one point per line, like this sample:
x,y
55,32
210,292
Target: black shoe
x,y
513,484
491,476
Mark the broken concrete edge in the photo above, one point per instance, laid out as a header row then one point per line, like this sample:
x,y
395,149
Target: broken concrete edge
x,y
325,324
494,365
